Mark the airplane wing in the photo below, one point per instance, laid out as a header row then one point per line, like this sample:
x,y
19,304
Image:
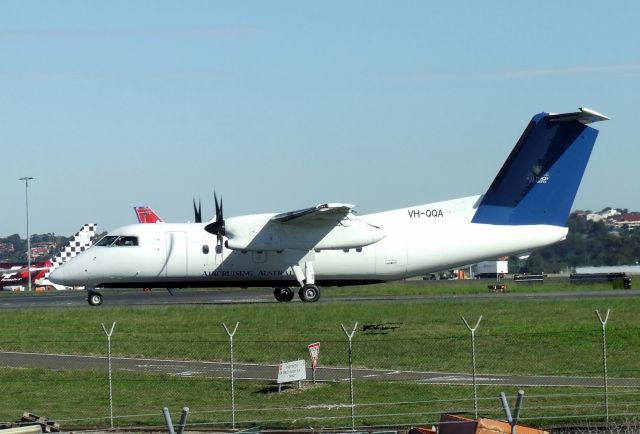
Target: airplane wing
x,y
321,214
324,226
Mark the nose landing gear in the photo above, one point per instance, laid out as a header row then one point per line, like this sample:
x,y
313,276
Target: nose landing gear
x,y
94,298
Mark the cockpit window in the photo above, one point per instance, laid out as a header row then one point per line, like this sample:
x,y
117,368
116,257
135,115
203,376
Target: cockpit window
x,y
112,240
106,241
126,241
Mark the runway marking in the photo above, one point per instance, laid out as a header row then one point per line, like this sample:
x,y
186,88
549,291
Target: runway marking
x,y
188,374
460,378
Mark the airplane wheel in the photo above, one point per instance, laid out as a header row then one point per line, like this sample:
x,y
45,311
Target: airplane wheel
x,y
287,294
283,294
277,293
309,293
94,298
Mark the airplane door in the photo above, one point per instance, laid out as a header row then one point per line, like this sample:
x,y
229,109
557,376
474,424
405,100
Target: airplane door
x,y
176,254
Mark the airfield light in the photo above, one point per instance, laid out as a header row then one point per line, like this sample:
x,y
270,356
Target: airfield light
x,y
26,180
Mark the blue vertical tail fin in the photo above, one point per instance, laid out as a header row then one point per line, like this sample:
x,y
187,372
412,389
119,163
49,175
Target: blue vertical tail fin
x,y
539,181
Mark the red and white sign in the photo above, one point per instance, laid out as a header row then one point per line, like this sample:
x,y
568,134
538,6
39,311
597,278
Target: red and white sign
x,y
314,352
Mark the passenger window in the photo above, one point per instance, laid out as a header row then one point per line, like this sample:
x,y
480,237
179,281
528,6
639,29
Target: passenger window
x,y
205,249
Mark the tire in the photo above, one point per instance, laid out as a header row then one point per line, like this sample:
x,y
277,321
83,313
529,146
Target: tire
x,y
283,294
277,293
309,293
287,294
94,298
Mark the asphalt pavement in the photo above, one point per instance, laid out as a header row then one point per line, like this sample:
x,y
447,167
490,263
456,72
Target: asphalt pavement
x,y
161,297
269,372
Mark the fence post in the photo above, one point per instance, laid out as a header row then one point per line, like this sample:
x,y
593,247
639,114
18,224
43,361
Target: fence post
x,y
183,420
233,396
473,362
108,334
167,420
512,420
349,337
604,359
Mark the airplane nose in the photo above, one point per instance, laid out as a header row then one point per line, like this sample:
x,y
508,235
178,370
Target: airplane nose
x,y
57,276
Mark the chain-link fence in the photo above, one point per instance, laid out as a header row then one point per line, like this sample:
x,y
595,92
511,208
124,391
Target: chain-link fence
x,y
385,376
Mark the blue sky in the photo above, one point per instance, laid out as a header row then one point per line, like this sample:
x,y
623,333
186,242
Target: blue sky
x,y
282,105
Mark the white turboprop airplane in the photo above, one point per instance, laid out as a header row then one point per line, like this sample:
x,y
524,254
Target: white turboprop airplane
x,y
526,207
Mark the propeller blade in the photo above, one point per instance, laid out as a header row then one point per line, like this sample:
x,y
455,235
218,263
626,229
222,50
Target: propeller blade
x,y
197,211
218,207
217,227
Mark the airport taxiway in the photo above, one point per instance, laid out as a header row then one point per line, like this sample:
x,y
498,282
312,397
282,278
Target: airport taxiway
x,y
160,297
269,372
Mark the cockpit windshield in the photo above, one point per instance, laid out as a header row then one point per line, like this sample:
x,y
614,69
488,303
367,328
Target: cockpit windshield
x,y
106,241
123,240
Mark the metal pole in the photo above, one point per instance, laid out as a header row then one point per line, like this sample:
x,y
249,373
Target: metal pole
x,y
505,407
26,180
183,420
108,334
233,397
473,362
513,421
604,359
350,336
167,419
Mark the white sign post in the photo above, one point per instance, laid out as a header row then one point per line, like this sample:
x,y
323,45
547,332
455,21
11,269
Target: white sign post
x,y
289,372
314,353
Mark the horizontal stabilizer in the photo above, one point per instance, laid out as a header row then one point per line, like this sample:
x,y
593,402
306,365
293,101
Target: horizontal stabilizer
x,y
584,116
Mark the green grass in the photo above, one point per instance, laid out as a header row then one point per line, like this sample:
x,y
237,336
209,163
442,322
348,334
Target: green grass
x,y
551,337
80,399
543,337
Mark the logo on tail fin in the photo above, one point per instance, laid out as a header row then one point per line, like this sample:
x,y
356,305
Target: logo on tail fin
x,y
535,177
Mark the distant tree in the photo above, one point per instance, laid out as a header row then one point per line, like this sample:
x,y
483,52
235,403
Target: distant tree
x,y
588,243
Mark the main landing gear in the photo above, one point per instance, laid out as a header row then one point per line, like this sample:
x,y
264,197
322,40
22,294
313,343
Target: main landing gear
x,y
308,293
283,294
94,298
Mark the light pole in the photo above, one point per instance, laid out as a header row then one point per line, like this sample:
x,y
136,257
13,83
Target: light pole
x,y
26,180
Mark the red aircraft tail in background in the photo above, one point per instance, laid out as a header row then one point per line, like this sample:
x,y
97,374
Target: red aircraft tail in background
x,y
147,215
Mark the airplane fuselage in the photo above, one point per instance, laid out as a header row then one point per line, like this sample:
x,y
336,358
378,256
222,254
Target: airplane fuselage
x,y
418,240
